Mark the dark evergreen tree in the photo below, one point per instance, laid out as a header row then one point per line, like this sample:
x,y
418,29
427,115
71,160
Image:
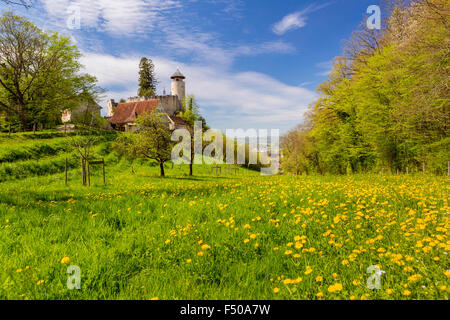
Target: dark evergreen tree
x,y
147,79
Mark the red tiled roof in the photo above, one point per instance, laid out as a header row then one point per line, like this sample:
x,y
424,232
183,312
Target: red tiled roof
x,y
127,112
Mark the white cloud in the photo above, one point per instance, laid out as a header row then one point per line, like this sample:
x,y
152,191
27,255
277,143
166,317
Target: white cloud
x,y
292,21
242,99
295,20
113,16
207,49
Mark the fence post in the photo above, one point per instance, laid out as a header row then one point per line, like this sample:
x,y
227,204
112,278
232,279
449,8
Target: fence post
x,y
83,172
66,173
407,170
423,167
104,179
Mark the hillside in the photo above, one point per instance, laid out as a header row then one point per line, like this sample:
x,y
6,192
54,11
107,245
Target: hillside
x,y
214,237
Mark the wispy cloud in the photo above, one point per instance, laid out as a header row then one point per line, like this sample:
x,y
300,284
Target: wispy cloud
x,y
114,17
326,67
296,19
206,48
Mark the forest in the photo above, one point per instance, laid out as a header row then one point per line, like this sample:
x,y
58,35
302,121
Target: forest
x,y
385,105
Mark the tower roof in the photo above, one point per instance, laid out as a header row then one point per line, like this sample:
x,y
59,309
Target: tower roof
x,y
177,74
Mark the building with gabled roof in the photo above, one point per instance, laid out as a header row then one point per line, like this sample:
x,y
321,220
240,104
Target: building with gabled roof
x,y
122,116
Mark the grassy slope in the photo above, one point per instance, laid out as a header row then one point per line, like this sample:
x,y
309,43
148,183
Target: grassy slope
x,y
118,234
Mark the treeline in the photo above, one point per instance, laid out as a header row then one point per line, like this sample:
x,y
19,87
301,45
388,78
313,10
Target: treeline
x,y
40,76
385,106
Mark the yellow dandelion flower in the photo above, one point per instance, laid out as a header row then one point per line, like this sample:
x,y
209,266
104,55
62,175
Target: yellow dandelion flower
x,y
65,260
308,270
206,247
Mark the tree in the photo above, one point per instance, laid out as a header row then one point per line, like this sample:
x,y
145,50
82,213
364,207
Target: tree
x,y
152,139
147,79
190,115
385,104
83,144
39,73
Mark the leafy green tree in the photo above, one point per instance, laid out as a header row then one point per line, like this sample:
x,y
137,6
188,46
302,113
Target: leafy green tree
x,y
39,73
385,105
152,139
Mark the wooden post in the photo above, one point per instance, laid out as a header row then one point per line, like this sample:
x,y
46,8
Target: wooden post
x,y
83,172
397,171
407,170
423,167
89,173
66,173
104,179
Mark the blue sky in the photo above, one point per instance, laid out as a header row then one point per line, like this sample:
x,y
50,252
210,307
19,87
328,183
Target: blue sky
x,y
250,64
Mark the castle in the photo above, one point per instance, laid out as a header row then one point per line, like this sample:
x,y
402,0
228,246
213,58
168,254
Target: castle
x,y
122,116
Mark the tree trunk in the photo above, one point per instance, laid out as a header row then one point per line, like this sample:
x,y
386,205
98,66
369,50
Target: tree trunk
x,y
83,171
23,120
161,166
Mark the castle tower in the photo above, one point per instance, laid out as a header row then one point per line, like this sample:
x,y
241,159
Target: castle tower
x,y
110,105
178,85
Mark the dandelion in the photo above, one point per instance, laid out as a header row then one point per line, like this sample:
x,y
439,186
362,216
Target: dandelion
x,y
206,247
308,270
65,260
319,279
200,253
319,295
414,277
19,270
406,292
276,290
39,282
335,287
188,260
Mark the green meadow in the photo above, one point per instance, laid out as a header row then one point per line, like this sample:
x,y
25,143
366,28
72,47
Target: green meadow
x,y
212,236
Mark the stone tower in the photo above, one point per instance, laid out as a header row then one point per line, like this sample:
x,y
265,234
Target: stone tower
x,y
110,105
178,86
